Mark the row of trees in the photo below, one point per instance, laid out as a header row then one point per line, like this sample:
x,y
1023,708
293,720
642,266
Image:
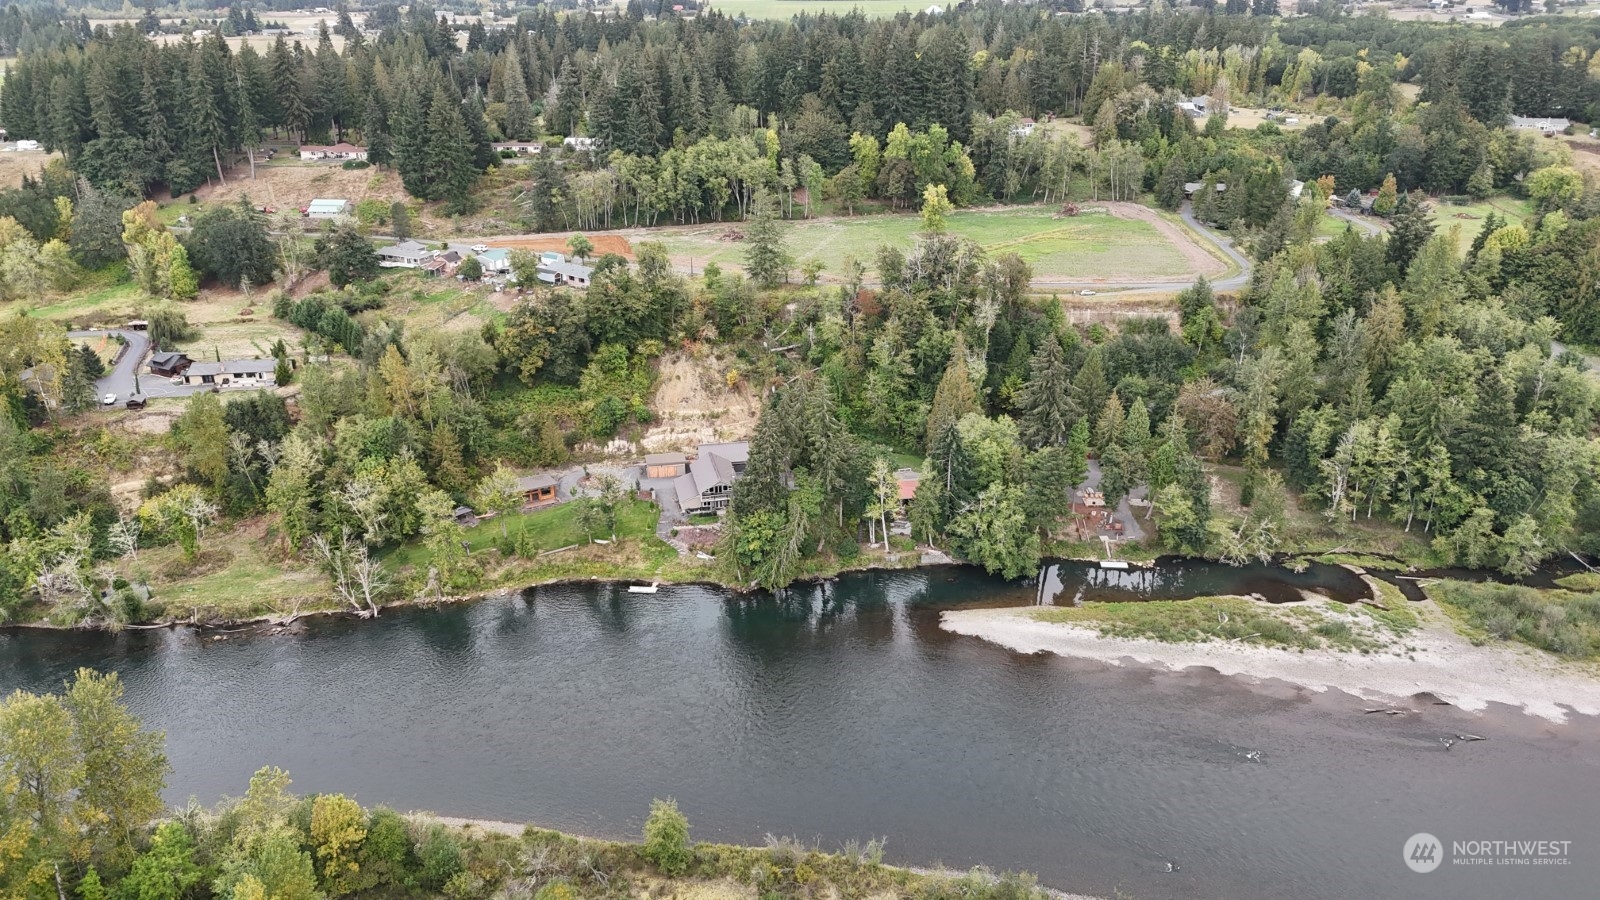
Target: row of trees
x,y
137,115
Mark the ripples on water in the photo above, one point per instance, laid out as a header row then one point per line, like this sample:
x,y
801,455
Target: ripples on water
x,y
842,710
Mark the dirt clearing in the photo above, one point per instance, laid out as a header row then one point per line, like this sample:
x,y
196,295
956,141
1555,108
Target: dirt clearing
x,y
697,406
557,243
14,164
1202,260
289,187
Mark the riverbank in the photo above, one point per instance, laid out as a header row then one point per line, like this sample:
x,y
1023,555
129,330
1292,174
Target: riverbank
x,y
1433,658
852,867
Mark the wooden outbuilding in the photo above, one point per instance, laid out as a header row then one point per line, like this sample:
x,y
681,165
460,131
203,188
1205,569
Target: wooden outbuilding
x,y
538,490
665,465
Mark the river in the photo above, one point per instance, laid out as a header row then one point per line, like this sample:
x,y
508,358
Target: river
x,y
844,711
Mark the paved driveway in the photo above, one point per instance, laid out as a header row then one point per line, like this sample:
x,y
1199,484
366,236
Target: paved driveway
x,y
122,377
126,380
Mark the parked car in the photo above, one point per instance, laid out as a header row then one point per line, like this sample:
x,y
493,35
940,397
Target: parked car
x,y
109,400
136,403
1086,293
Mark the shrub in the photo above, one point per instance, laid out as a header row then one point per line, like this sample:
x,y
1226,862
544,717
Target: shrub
x,y
440,855
666,837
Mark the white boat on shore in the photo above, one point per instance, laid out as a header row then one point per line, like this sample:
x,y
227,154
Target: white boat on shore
x,y
650,588
1113,564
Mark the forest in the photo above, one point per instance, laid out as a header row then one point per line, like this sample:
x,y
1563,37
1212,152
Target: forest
x,y
136,116
1396,377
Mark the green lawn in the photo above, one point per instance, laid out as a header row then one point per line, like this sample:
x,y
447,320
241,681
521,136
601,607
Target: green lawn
x,y
1468,219
547,529
107,289
1093,245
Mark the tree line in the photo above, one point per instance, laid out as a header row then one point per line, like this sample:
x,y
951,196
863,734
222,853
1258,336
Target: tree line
x,y
138,116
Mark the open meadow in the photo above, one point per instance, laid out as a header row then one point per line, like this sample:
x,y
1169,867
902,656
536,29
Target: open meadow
x,y
1467,219
1094,246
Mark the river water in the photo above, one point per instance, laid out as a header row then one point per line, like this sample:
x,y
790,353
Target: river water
x,y
843,711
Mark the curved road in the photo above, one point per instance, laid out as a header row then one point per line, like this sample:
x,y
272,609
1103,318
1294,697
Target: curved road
x,y
1362,222
123,377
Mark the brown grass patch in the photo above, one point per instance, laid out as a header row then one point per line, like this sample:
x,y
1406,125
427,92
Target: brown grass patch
x,y
17,163
557,243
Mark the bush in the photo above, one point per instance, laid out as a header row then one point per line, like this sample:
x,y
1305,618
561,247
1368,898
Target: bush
x,y
666,838
1560,621
440,854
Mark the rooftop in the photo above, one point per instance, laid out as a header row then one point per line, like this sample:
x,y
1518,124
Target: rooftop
x,y
536,482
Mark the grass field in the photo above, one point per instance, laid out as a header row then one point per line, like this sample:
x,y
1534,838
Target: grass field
x,y
546,529
1093,245
1468,219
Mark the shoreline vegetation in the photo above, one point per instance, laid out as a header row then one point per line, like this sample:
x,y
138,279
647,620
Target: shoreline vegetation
x,y
83,816
1378,652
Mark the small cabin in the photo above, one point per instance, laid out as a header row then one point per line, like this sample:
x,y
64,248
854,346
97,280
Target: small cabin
x,y
538,490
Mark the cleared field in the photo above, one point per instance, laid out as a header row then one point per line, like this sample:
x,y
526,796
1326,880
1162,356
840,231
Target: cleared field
x,y
1468,220
14,164
1092,246
1249,117
289,184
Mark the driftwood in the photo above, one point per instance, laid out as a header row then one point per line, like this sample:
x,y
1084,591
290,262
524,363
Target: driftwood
x,y
559,549
1581,562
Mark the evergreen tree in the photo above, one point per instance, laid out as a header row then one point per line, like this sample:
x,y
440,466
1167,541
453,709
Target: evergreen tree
x,y
955,396
1169,188
765,258
448,170
1411,228
1109,426
375,131
206,133
409,133
1089,386
519,110
1045,404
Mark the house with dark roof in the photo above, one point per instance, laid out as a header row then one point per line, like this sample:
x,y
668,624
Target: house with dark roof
x,y
167,363
708,485
444,263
